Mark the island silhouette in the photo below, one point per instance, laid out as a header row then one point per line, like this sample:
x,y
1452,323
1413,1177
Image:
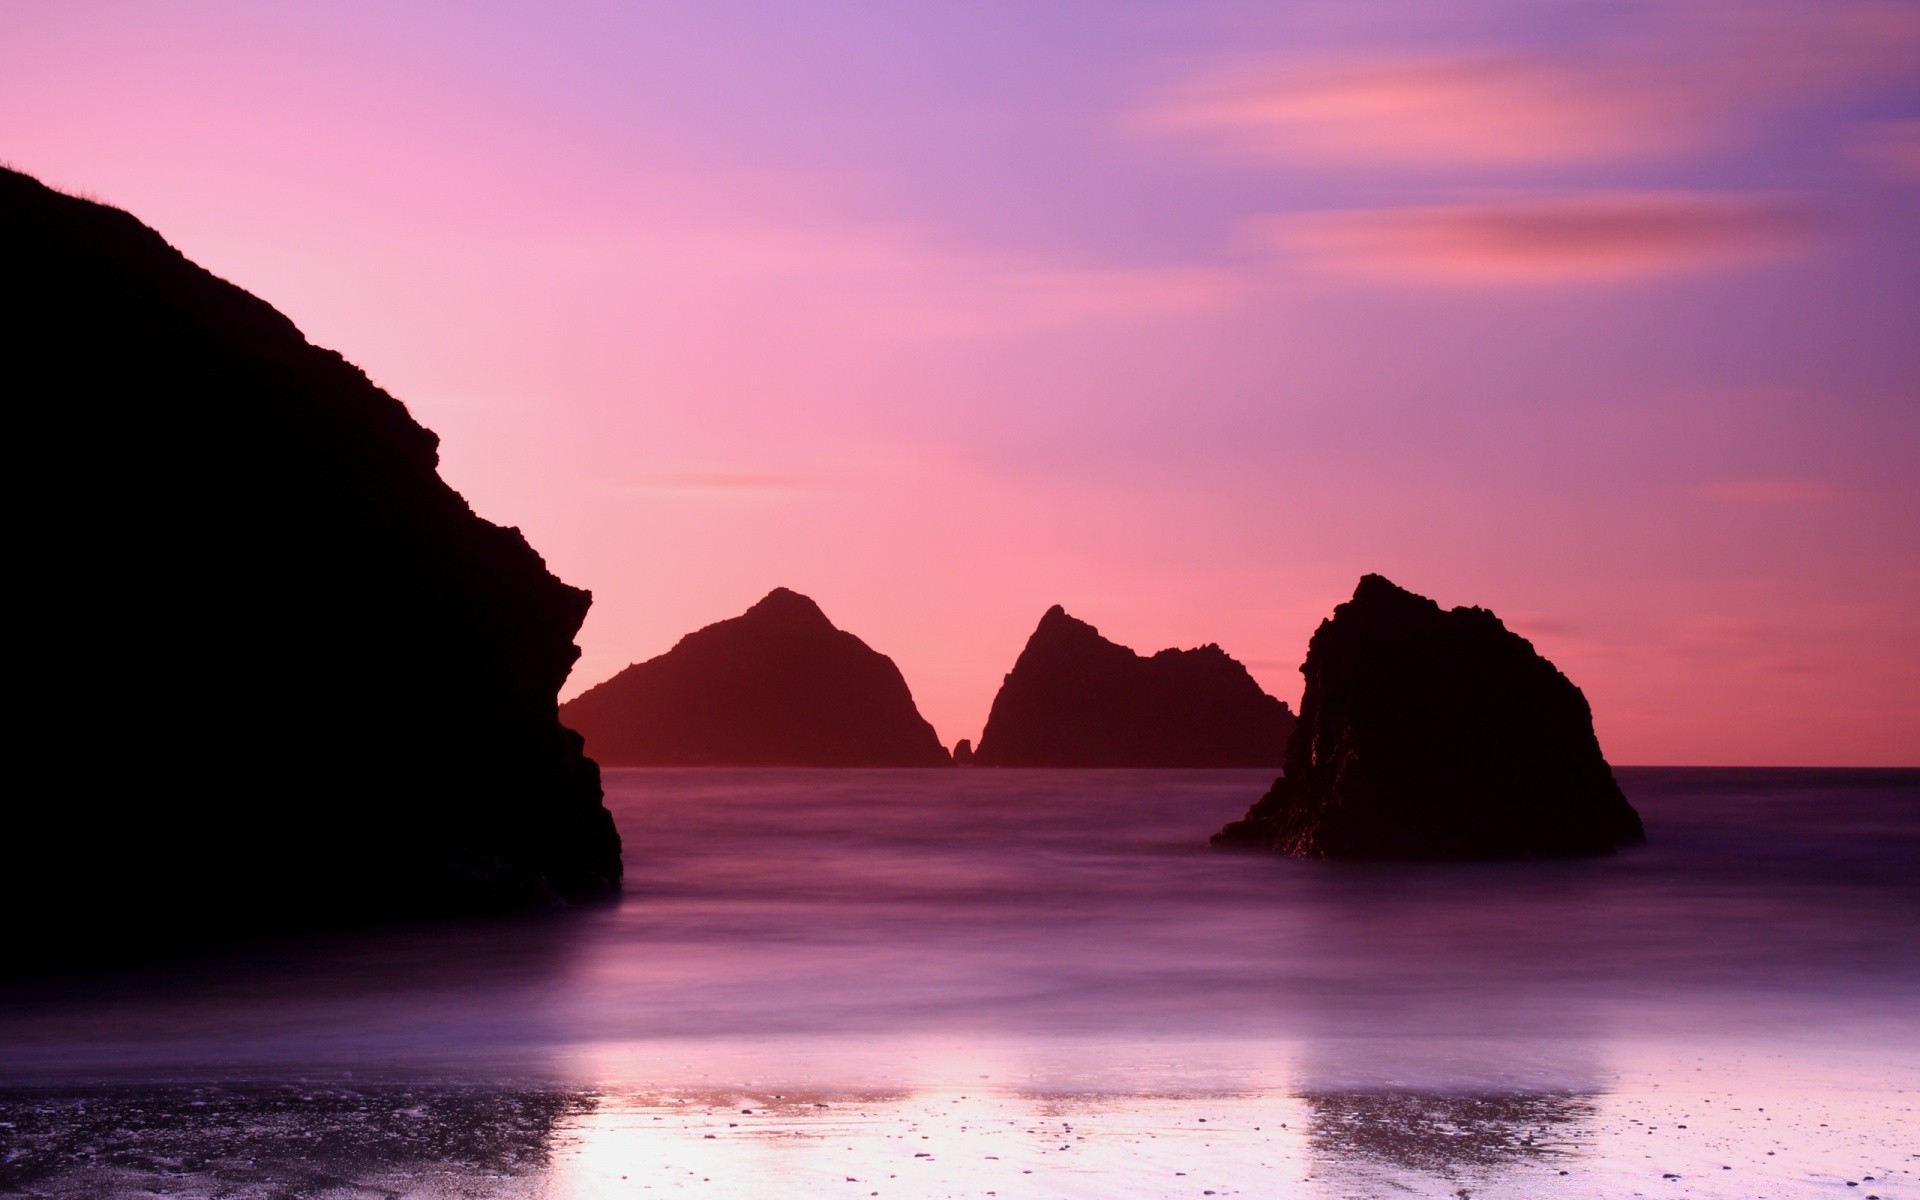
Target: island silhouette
x,y
1075,699
777,685
1435,734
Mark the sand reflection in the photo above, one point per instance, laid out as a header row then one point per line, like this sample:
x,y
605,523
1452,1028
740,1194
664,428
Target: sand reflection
x,y
931,1142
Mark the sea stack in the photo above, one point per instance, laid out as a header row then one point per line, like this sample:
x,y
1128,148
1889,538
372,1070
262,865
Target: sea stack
x,y
1434,734
1075,699
273,670
776,686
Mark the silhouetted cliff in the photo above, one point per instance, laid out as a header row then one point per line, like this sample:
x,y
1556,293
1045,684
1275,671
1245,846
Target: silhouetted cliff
x,y
271,669
1075,699
1427,734
776,686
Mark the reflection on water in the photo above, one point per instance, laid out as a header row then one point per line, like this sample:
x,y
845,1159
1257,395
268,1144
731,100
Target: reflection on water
x,y
429,997
280,1141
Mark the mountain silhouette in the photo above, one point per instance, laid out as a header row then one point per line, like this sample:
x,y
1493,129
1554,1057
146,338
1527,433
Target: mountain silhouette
x,y
777,685
1075,699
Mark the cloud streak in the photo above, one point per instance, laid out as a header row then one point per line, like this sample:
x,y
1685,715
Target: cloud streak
x,y
1694,77
1569,239
1486,110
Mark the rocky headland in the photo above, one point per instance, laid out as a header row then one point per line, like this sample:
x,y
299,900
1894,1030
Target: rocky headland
x,y
1433,734
1075,699
271,669
778,685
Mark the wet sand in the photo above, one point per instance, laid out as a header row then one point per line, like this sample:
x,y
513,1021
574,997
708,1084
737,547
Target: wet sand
x,y
1677,1120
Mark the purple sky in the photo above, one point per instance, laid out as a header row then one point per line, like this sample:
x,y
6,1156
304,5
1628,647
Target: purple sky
x,y
1605,316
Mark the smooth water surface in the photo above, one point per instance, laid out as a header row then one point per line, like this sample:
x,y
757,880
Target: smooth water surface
x,y
1059,906
1018,939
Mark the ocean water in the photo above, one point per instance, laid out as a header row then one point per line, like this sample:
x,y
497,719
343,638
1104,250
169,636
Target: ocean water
x,y
808,945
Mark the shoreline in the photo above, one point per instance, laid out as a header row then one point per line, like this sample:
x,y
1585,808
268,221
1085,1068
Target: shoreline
x,y
1697,1116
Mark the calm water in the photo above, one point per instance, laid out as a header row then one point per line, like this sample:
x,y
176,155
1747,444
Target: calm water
x,y
879,933
1060,905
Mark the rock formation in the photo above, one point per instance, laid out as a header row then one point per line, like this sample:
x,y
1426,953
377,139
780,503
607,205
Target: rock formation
x,y
963,753
776,686
1075,699
1427,734
270,669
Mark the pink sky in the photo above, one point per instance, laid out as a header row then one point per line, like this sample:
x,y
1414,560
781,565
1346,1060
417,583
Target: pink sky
x,y
1604,316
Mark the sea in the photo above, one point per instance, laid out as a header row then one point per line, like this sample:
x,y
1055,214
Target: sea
x,y
1014,983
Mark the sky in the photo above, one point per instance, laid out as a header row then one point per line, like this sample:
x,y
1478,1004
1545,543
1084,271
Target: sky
x,y
1602,315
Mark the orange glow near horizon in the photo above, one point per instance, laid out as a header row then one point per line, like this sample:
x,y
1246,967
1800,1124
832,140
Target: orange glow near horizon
x,y
1181,317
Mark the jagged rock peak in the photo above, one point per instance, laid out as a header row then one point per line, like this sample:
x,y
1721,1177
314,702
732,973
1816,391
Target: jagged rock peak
x,y
1211,652
777,685
787,604
1431,733
1378,589
1377,598
1057,622
1076,699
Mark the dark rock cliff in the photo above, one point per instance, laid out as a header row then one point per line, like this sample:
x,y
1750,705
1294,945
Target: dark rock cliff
x,y
271,669
776,686
1429,734
1075,699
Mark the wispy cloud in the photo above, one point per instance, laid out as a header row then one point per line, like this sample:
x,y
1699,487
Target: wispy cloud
x,y
1692,76
1433,111
1589,238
